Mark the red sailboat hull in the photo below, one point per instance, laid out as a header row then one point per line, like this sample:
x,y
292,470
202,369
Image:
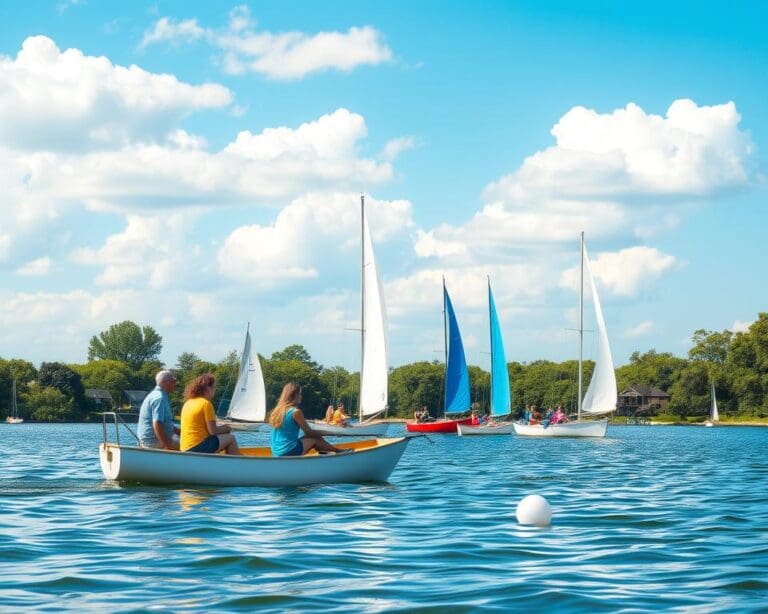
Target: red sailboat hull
x,y
441,426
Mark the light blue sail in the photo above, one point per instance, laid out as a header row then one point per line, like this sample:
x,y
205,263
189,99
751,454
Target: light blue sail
x,y
456,374
500,395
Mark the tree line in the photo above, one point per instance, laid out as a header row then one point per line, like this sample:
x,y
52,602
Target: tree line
x,y
126,357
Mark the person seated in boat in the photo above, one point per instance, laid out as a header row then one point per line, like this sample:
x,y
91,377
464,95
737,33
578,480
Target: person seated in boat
x,y
475,419
485,419
199,431
329,415
527,415
559,416
340,418
535,416
156,428
287,422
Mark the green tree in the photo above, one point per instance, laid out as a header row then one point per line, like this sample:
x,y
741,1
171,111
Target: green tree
x,y
710,346
296,352
653,368
315,396
47,404
128,343
414,385
67,381
111,375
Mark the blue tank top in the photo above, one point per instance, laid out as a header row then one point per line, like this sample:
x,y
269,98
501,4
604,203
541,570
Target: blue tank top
x,y
285,438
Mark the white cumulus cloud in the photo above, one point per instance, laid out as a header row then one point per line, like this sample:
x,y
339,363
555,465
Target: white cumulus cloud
x,y
640,329
285,55
35,268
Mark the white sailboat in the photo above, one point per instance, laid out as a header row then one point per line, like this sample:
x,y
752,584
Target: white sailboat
x,y
602,395
14,417
374,369
248,407
714,416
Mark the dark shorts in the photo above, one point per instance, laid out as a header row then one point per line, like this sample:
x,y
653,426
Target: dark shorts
x,y
298,449
209,445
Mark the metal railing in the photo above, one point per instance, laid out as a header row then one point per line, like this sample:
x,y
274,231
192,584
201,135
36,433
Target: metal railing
x,y
118,420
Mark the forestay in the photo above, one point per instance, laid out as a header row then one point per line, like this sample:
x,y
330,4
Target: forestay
x,y
374,369
602,395
249,398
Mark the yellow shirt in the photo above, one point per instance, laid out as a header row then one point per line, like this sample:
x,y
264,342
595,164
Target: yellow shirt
x,y
339,417
194,415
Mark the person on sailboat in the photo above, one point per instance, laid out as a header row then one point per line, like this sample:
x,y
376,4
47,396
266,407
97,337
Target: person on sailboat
x,y
329,415
155,428
340,418
535,416
559,416
199,431
287,421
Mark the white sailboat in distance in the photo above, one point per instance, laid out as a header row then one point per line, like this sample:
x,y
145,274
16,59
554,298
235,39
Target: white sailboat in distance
x,y
248,406
14,417
714,416
602,394
374,368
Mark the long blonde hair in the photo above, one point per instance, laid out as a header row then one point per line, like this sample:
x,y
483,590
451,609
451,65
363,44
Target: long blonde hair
x,y
289,397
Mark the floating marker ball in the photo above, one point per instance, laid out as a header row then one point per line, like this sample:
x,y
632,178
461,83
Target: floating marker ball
x,y
535,510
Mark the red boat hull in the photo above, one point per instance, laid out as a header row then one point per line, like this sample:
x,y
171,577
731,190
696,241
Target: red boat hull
x,y
441,426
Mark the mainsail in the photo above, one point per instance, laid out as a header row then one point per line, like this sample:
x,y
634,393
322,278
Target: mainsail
x,y
456,375
601,396
500,396
374,370
248,399
714,415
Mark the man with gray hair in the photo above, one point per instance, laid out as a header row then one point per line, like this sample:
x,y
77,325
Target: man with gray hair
x,y
156,427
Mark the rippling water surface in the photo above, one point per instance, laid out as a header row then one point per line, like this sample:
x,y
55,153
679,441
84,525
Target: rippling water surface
x,y
647,518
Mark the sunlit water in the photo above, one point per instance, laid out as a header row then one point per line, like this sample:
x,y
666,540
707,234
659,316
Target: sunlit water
x,y
647,518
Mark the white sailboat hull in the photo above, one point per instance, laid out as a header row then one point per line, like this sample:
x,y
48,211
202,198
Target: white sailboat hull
x,y
587,428
237,425
373,429
12,420
372,461
494,429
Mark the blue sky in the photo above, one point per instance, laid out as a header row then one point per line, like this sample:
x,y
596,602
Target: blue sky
x,y
217,182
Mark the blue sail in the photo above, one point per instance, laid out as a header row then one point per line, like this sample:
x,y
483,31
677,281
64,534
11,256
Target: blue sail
x,y
500,396
456,375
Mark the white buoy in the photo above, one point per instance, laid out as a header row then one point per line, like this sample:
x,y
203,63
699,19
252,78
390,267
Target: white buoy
x,y
535,510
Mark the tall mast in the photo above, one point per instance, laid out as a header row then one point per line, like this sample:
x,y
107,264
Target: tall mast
x,y
490,333
581,320
362,304
445,350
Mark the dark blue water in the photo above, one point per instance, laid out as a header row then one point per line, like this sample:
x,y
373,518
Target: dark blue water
x,y
648,518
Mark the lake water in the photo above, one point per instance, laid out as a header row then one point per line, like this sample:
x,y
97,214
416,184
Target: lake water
x,y
650,517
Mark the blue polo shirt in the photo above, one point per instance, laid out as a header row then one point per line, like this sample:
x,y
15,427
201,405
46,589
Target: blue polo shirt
x,y
156,407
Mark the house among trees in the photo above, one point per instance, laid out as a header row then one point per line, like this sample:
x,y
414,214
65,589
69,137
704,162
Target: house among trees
x,y
102,399
133,398
641,398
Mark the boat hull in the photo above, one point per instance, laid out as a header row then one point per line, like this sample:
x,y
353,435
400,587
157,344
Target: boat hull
x,y
588,428
440,426
372,461
493,429
372,429
10,420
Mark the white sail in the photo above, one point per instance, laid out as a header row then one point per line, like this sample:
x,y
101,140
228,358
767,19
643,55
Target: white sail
x,y
602,395
374,370
715,416
249,400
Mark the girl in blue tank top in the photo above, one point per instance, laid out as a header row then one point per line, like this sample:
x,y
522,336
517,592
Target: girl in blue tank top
x,y
287,422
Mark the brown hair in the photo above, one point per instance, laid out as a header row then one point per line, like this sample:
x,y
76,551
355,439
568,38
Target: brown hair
x,y
197,386
289,397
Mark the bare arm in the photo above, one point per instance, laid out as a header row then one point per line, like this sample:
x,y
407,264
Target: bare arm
x,y
298,416
157,427
215,429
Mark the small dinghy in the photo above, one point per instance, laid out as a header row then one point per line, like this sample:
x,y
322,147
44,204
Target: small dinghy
x,y
248,406
485,429
371,460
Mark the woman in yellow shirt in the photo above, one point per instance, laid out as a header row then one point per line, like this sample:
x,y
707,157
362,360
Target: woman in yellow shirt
x,y
199,431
